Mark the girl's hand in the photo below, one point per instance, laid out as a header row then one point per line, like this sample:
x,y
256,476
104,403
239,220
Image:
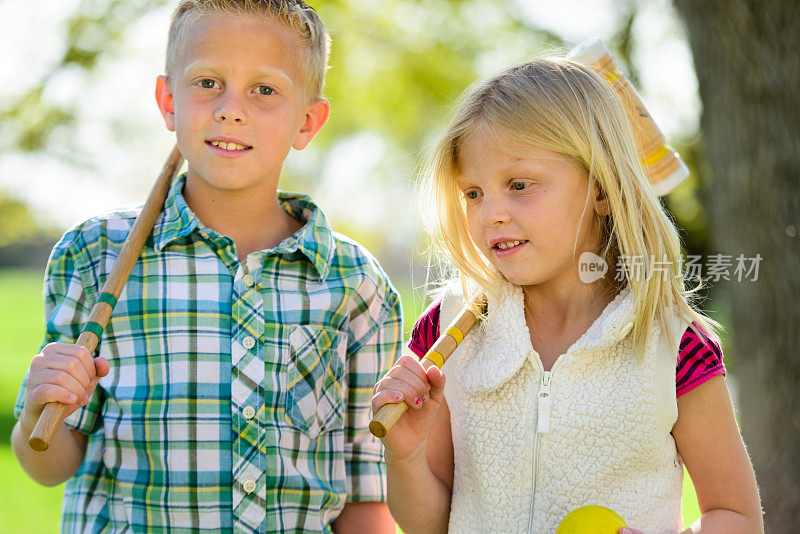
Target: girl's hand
x,y
423,391
62,372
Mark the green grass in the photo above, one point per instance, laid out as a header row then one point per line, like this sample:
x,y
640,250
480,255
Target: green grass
x,y
27,507
21,329
32,508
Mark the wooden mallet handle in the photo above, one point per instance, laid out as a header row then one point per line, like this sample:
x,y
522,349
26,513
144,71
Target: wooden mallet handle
x,y
388,415
53,413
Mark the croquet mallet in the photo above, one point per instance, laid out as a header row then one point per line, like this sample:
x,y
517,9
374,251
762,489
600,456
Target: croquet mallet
x,y
452,337
53,413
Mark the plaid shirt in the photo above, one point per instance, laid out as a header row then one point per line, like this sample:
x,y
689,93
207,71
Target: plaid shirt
x,y
239,392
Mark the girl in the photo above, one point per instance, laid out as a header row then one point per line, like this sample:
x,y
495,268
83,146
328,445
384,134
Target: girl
x,y
565,394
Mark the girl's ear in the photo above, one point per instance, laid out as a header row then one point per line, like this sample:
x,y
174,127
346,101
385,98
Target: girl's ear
x,y
601,204
164,101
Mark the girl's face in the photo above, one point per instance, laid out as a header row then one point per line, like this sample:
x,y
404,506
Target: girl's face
x,y
525,208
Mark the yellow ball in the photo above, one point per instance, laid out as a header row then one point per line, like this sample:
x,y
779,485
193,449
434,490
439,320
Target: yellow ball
x,y
591,520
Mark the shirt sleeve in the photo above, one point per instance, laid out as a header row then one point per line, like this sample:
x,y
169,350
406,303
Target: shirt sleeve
x,y
68,302
426,329
699,359
376,341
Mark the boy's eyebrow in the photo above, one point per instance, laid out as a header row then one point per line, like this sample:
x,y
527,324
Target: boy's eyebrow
x,y
275,73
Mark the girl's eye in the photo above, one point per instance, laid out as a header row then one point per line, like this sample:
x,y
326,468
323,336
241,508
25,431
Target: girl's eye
x,y
519,186
472,194
207,83
265,90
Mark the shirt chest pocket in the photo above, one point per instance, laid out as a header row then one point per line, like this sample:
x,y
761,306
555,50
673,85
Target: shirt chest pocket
x,y
314,379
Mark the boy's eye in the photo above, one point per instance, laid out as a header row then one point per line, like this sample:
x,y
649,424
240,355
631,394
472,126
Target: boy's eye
x,y
207,83
265,90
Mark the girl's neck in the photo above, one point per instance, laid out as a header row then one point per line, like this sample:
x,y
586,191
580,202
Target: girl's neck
x,y
559,314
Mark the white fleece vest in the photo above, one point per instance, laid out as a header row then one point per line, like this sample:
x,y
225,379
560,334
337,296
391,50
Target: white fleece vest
x,y
606,439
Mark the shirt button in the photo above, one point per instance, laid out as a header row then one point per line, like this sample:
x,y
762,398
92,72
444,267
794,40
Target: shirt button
x,y
624,331
248,412
248,280
249,486
248,342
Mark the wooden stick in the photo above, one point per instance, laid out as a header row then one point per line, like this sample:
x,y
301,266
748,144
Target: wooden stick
x,y
53,413
388,415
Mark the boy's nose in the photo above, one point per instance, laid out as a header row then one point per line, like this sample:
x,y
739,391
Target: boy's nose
x,y
230,111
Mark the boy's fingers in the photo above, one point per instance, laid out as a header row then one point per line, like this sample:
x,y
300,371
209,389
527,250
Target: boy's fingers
x,y
65,364
78,352
47,393
101,366
61,379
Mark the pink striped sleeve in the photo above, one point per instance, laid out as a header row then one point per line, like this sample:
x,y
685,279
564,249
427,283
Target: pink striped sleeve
x,y
426,329
699,359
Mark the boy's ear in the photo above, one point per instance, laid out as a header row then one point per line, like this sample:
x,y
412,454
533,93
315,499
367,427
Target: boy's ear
x,y
164,101
316,115
601,204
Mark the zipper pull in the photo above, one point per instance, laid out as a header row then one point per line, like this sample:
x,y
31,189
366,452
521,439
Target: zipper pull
x,y
543,416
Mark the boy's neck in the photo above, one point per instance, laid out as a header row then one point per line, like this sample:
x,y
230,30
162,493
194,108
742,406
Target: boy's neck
x,y
253,217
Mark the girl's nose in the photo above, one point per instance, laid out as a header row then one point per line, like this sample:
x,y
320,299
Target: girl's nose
x,y
494,212
230,110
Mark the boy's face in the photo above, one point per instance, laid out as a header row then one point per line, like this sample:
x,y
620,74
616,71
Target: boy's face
x,y
236,101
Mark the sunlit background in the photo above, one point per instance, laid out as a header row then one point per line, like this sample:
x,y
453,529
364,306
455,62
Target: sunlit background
x,y
80,133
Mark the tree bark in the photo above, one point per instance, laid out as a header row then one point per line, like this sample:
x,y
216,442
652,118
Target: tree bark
x,y
747,59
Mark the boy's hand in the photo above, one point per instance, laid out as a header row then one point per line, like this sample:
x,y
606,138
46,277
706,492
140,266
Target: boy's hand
x,y
408,382
62,372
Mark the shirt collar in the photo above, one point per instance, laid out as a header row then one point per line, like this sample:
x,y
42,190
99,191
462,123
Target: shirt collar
x,y
314,240
176,219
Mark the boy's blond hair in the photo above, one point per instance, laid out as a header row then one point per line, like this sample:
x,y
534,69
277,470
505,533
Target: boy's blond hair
x,y
565,107
295,14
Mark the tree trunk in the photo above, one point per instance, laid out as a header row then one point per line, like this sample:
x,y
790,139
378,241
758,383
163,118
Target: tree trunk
x,y
747,59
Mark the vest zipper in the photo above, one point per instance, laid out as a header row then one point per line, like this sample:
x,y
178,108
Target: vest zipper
x,y
542,427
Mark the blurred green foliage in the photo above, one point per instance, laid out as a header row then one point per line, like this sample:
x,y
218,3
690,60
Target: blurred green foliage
x,y
396,69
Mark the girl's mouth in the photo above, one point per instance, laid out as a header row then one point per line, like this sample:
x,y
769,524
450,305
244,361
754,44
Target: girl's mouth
x,y
505,248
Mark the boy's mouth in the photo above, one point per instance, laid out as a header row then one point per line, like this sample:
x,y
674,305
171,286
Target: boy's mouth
x,y
230,146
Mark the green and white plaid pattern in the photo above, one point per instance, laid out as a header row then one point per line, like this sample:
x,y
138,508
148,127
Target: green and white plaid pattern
x,y
238,396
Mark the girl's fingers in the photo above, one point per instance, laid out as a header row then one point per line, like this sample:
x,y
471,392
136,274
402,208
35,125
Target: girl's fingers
x,y
411,364
418,384
384,397
436,380
411,395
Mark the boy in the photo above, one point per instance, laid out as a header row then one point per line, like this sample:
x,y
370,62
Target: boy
x,y
236,372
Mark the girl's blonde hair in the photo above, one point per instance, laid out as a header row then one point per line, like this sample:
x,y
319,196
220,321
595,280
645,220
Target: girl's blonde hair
x,y
565,107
